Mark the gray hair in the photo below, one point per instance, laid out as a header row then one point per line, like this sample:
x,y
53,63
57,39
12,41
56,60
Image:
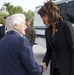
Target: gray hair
x,y
14,19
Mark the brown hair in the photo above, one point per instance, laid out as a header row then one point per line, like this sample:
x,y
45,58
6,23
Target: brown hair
x,y
52,10
27,19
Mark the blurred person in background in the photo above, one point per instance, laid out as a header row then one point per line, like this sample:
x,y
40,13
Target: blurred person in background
x,y
30,32
4,23
3,28
16,54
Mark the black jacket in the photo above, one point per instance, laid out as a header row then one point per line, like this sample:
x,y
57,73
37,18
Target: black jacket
x,y
63,50
2,31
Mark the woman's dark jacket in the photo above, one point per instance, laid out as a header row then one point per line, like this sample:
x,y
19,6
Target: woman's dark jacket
x,y
63,49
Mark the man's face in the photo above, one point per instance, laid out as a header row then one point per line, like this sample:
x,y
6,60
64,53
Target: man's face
x,y
28,23
21,27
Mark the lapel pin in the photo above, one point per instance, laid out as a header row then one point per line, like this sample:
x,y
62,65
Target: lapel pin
x,y
56,30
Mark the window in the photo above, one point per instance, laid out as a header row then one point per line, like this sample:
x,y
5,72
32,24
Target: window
x,y
62,9
70,12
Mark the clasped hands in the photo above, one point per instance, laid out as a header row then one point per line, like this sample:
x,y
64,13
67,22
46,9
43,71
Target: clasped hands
x,y
44,66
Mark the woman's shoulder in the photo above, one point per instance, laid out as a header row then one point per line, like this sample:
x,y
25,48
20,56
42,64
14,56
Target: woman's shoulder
x,y
66,24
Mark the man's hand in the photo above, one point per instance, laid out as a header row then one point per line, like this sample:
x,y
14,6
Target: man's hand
x,y
44,66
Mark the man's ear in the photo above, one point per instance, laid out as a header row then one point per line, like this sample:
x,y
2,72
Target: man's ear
x,y
15,26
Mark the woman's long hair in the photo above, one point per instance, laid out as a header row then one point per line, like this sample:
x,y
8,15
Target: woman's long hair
x,y
52,10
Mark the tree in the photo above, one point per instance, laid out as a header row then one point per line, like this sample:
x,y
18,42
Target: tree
x,y
8,6
3,13
30,14
1,18
12,10
16,9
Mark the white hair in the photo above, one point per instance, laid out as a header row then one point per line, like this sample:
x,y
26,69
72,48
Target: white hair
x,y
14,19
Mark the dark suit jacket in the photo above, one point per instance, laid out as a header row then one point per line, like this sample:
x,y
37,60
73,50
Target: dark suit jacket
x,y
2,31
62,51
31,35
16,56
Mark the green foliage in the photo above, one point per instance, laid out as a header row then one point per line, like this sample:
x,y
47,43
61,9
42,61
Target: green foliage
x,y
8,6
11,9
30,14
1,18
18,9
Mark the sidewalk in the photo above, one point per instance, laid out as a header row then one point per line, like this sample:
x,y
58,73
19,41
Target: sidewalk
x,y
39,49
39,52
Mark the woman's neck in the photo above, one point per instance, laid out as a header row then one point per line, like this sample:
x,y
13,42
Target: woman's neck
x,y
53,25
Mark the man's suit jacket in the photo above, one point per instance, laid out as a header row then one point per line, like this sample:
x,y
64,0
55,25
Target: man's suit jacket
x,y
62,51
16,56
2,31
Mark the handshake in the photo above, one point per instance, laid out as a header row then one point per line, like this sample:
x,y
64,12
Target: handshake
x,y
44,66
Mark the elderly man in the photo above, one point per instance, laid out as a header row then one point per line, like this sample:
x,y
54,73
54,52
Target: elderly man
x,y
16,56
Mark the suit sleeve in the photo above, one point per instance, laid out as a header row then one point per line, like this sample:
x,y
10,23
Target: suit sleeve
x,y
27,57
69,33
48,53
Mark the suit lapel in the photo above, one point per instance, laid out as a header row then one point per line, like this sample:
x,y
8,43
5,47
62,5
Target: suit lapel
x,y
57,32
48,33
48,37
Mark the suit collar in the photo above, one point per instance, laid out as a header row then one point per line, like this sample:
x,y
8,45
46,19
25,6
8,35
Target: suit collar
x,y
58,24
48,36
14,32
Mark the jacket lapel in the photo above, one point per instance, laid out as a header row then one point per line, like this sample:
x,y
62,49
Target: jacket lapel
x,y
48,33
48,37
57,32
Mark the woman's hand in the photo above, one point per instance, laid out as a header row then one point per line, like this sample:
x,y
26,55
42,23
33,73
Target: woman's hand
x,y
44,66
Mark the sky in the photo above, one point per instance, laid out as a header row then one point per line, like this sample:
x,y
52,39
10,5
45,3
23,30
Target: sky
x,y
25,4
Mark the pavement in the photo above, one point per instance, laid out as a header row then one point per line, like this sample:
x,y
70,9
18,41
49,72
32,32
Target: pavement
x,y
37,49
39,52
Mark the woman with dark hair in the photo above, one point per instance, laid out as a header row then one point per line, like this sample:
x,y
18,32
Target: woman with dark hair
x,y
59,41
